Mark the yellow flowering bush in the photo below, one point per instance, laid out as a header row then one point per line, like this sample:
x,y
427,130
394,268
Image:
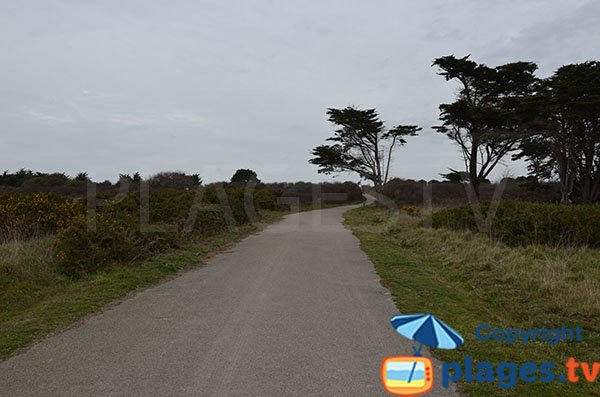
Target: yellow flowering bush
x,y
24,215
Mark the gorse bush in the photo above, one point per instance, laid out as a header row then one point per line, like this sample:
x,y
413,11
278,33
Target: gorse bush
x,y
267,198
141,224
80,251
523,223
26,215
411,210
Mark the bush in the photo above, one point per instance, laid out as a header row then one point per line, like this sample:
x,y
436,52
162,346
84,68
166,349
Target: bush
x,y
523,223
80,251
120,238
307,192
447,194
26,215
173,180
266,199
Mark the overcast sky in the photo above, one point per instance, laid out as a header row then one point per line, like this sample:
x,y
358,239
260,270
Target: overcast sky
x,y
207,87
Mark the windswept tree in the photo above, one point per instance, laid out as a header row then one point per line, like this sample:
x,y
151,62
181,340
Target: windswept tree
x,y
565,143
455,176
82,177
487,118
361,144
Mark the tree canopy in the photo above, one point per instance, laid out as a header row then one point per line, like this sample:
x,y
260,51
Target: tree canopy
x,y
361,144
244,176
487,118
565,140
174,180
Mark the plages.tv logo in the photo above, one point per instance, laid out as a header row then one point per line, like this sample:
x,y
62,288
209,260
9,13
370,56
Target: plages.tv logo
x,y
413,375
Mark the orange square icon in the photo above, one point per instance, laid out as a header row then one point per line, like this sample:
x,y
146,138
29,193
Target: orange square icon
x,y
406,375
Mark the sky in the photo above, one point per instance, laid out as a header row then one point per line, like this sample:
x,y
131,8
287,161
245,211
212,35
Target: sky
x,y
120,86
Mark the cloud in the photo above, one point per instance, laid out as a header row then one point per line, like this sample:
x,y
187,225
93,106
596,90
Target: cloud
x,y
175,118
207,86
569,36
128,119
46,117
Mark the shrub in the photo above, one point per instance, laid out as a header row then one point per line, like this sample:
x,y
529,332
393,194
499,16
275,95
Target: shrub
x,y
266,199
448,194
120,238
80,251
523,223
28,214
307,192
174,180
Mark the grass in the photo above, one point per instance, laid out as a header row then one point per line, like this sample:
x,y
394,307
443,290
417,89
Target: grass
x,y
468,279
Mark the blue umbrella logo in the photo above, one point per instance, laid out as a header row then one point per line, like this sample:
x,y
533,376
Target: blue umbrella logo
x,y
427,330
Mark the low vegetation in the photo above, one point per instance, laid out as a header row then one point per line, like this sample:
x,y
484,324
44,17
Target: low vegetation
x,y
454,193
37,298
524,223
24,216
134,227
468,279
56,266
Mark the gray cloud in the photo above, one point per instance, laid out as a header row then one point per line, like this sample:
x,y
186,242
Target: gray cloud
x,y
211,86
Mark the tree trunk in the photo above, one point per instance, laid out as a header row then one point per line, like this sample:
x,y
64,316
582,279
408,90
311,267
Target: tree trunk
x,y
379,191
473,177
476,184
565,175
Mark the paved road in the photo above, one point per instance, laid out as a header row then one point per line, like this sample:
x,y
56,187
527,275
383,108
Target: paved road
x,y
296,310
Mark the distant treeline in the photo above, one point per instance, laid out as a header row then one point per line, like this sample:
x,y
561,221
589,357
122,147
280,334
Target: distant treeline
x,y
27,181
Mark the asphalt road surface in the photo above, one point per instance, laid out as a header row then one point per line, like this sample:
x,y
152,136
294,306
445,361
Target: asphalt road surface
x,y
296,310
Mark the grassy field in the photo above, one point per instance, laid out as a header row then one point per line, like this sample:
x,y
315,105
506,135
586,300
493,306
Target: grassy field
x,y
468,279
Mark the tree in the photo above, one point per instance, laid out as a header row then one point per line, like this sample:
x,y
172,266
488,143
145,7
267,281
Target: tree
x,y
362,144
174,180
565,142
243,176
125,178
81,177
54,179
487,118
18,178
455,176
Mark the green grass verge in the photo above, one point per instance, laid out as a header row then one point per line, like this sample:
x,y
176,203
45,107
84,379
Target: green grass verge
x,y
467,279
